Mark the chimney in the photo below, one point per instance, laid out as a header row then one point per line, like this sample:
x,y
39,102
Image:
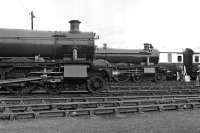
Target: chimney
x,y
74,26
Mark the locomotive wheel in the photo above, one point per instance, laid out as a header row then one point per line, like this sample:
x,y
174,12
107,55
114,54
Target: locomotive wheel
x,y
123,77
95,83
20,90
137,78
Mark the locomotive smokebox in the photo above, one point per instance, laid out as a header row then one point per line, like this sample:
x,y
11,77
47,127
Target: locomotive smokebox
x,y
74,26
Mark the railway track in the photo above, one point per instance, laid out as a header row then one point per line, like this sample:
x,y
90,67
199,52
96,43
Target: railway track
x,y
33,100
157,85
119,98
21,108
118,92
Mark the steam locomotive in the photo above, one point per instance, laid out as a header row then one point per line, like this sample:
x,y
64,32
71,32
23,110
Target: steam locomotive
x,y
54,60
131,64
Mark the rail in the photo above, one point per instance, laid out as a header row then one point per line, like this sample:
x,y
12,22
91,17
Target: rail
x,y
45,109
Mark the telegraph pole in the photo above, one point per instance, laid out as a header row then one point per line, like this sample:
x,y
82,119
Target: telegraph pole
x,y
32,17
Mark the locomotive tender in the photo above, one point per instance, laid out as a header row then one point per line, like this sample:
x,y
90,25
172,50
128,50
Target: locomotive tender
x,y
53,60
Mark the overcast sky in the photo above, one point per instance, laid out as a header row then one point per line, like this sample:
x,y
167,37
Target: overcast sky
x,y
170,25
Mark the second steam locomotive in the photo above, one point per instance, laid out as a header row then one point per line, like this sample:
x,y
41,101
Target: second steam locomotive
x,y
132,64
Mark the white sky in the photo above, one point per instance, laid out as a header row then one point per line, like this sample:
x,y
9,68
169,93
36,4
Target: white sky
x,y
170,25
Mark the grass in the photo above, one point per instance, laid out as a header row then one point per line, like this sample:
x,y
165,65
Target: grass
x,y
152,122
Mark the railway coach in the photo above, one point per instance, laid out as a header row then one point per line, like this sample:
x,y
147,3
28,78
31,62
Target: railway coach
x,y
176,61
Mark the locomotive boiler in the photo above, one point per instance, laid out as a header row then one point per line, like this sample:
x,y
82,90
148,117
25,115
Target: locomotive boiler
x,y
54,45
53,60
127,64
133,56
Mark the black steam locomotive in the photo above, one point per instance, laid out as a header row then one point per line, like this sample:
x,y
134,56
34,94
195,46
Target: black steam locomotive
x,y
135,64
52,60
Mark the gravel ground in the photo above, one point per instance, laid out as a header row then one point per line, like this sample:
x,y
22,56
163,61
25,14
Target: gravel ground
x,y
150,122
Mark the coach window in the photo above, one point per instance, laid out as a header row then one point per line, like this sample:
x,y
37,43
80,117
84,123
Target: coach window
x,y
196,59
179,58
